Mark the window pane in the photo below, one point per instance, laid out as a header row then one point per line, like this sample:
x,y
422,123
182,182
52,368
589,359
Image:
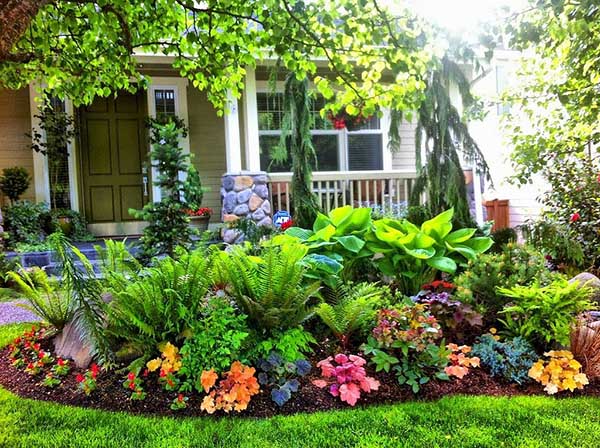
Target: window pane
x,y
326,149
267,143
371,123
164,101
270,111
365,152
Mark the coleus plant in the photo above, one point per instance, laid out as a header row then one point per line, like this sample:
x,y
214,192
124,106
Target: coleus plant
x,y
346,377
281,376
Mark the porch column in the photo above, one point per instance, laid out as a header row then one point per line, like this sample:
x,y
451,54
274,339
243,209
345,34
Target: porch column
x,y
251,122
232,135
41,177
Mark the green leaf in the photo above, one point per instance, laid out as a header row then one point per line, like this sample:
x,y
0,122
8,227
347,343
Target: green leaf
x,y
443,264
351,243
421,254
460,236
439,224
479,244
300,233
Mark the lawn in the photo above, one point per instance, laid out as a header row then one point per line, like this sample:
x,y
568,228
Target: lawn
x,y
453,421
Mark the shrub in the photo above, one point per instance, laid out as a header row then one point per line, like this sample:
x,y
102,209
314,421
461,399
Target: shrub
x,y
24,222
405,340
544,315
351,309
516,265
510,359
14,182
281,376
291,344
560,372
503,237
346,377
79,231
45,297
234,391
271,289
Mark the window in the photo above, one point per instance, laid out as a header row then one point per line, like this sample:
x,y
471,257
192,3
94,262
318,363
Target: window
x,y
164,102
360,147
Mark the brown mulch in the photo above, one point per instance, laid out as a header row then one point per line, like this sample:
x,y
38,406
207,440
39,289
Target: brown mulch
x,y
112,396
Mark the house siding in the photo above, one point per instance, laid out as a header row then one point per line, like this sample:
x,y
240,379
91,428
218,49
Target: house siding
x,y
404,159
15,146
207,143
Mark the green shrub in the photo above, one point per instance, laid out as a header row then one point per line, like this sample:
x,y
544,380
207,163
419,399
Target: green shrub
x,y
515,265
79,231
24,222
544,315
292,344
503,237
14,182
45,297
510,359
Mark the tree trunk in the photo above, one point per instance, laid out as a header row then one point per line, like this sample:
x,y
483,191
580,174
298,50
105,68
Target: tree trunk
x,y
15,17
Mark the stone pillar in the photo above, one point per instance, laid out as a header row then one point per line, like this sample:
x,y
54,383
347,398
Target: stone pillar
x,y
245,195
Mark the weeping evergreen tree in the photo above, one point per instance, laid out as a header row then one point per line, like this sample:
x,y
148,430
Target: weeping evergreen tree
x,y
442,136
296,140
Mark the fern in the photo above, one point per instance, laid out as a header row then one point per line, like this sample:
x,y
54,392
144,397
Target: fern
x,y
270,289
117,265
350,309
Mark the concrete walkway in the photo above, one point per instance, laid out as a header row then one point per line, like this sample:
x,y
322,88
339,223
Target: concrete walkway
x,y
11,313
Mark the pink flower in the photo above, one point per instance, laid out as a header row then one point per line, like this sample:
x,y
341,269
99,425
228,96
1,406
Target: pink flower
x,y
575,217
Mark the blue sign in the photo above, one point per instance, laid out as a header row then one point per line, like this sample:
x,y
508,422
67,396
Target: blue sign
x,y
281,217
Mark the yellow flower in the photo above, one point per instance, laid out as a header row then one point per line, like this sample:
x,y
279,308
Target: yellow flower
x,y
154,364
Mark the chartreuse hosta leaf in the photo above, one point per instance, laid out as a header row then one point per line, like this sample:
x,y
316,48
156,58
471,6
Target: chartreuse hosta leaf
x,y
460,236
439,226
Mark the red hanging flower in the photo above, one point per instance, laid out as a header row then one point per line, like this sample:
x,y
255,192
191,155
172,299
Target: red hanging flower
x,y
575,217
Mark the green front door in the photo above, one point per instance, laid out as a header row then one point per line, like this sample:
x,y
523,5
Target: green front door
x,y
113,153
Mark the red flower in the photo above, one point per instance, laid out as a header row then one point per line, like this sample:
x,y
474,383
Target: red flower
x,y
202,211
131,376
30,366
60,362
180,398
132,385
95,370
162,373
145,373
36,347
575,217
41,354
80,378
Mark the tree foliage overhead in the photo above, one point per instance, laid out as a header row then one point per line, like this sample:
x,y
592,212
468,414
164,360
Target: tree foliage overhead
x,y
85,48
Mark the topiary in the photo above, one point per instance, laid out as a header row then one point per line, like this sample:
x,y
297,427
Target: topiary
x,y
14,182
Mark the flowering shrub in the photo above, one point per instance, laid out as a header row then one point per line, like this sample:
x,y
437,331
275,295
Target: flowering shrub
x,y
347,379
202,211
405,340
169,364
459,361
560,372
134,384
280,376
234,391
88,381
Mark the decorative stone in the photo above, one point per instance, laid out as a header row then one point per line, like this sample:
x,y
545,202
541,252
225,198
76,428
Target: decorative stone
x,y
266,221
262,191
230,235
68,345
230,217
261,179
241,210
258,214
266,206
229,202
228,182
255,202
243,182
243,196
590,281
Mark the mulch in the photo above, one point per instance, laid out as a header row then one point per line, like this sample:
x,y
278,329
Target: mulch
x,y
112,396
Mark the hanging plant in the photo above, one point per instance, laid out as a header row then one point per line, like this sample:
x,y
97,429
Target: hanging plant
x,y
343,120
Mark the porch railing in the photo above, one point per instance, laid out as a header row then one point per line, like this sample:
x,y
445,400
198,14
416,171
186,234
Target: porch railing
x,y
386,190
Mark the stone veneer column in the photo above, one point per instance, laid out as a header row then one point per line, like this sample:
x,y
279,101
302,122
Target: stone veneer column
x,y
245,195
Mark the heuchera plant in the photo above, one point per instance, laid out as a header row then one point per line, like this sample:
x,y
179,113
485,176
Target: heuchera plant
x,y
347,379
560,372
459,361
234,391
280,376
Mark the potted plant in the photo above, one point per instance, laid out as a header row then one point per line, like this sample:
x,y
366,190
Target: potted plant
x,y
14,182
193,193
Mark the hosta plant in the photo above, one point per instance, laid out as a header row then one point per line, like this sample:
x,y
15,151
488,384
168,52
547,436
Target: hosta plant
x,y
281,376
560,372
460,363
346,377
233,392
414,255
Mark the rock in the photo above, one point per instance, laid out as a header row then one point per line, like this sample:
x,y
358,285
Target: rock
x,y
262,191
258,215
241,210
229,202
243,182
230,235
68,345
591,281
230,218
266,206
261,179
266,221
255,202
243,196
228,182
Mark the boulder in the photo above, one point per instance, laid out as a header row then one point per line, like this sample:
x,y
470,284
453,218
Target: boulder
x,y
68,345
591,281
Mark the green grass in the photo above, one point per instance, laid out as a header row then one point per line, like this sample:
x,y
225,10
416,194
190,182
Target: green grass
x,y
452,422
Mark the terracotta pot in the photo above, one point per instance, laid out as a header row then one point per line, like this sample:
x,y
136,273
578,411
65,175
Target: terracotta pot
x,y
199,222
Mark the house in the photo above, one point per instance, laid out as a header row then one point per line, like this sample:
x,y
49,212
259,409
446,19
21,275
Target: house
x,y
106,173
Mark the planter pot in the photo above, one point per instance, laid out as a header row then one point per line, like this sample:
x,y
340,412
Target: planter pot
x,y
66,224
199,223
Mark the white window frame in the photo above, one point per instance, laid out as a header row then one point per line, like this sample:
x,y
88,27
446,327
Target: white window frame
x,y
342,134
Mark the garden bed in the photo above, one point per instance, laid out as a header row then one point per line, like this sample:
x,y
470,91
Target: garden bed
x,y
112,396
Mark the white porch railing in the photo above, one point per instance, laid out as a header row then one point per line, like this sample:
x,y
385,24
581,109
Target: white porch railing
x,y
386,190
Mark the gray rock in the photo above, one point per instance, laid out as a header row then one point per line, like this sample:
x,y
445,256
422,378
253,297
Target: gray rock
x,y
258,214
262,190
261,179
241,210
266,207
230,235
266,221
591,281
243,196
229,202
68,344
228,182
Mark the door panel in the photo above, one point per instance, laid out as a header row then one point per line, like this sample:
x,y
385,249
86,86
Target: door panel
x,y
113,152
